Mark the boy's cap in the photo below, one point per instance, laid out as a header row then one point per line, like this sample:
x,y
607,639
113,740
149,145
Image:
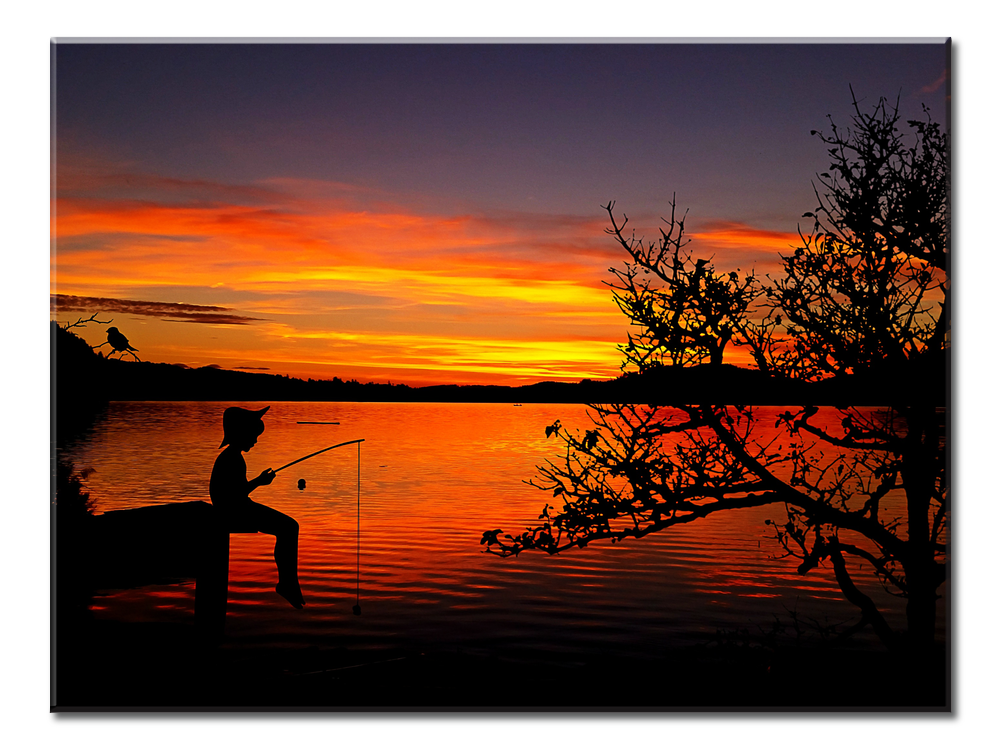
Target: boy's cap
x,y
239,421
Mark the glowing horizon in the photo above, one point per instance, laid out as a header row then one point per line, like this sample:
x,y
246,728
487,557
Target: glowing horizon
x,y
511,299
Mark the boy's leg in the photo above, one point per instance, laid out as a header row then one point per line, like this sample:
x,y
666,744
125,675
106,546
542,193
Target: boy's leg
x,y
285,529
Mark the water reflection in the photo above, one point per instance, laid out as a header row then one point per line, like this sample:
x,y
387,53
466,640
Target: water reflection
x,y
433,476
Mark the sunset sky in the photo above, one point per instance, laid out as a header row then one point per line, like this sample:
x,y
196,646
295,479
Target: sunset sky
x,y
426,213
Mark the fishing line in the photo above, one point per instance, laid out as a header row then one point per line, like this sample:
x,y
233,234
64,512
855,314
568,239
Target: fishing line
x,y
357,602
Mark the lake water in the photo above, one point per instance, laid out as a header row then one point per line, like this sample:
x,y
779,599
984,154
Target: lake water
x,y
433,477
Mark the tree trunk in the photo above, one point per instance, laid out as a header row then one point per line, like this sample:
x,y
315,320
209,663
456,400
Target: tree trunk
x,y
918,473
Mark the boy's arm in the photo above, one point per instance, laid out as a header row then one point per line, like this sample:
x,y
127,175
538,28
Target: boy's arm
x,y
265,477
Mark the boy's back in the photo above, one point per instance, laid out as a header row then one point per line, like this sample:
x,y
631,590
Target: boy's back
x,y
228,485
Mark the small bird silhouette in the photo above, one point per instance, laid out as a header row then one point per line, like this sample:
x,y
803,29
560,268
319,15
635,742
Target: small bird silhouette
x,y
119,344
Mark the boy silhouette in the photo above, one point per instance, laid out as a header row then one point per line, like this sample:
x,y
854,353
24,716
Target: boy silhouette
x,y
230,492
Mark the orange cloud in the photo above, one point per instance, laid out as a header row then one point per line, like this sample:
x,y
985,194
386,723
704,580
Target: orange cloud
x,y
348,287
932,87
234,244
731,234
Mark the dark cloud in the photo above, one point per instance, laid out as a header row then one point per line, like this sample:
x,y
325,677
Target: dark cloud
x,y
240,367
177,312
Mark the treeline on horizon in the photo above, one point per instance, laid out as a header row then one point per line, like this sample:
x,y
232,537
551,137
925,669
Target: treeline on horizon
x,y
81,376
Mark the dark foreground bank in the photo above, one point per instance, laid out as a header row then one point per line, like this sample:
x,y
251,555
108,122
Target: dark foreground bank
x,y
117,666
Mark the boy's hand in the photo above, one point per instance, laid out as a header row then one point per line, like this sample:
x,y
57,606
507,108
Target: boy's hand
x,y
266,476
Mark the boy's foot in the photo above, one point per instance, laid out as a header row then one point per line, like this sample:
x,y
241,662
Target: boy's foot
x,y
293,594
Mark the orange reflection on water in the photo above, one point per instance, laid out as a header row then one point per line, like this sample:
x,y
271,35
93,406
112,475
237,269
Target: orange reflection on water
x,y
433,477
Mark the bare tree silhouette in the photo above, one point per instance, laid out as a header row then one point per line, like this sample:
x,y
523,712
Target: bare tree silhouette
x,y
83,321
864,296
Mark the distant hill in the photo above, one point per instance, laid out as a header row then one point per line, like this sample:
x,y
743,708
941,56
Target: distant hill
x,y
83,378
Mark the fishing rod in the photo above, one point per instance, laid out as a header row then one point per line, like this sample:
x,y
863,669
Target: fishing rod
x,y
357,602
338,445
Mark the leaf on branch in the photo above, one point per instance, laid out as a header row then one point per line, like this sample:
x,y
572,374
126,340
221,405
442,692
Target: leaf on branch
x,y
490,537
